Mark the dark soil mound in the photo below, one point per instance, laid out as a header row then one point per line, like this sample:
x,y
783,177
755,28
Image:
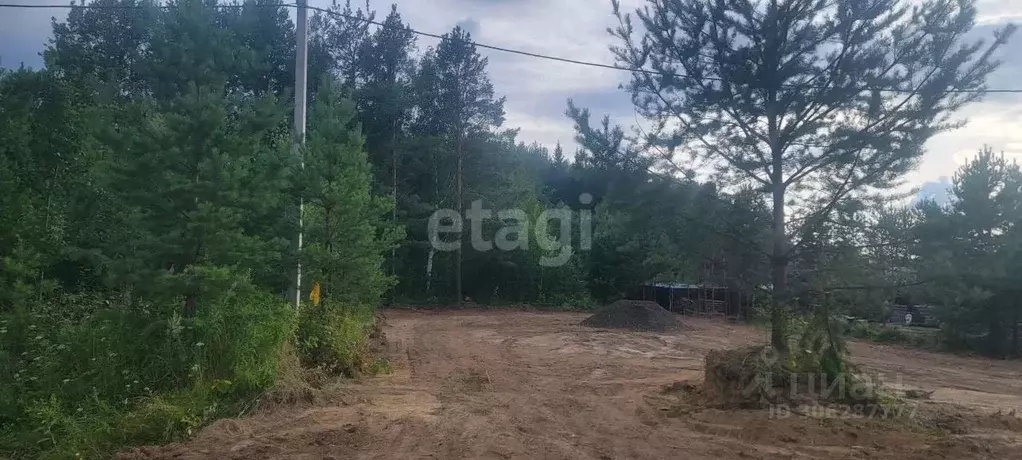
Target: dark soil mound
x,y
636,315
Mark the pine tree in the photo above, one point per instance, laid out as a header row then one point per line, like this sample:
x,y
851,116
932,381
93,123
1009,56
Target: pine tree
x,y
984,214
266,44
44,184
558,158
812,101
190,167
348,231
338,41
457,102
383,98
103,44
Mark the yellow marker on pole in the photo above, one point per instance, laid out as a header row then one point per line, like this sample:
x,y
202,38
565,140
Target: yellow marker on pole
x,y
314,294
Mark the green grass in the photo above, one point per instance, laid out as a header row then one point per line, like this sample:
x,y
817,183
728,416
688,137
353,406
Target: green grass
x,y
83,381
922,338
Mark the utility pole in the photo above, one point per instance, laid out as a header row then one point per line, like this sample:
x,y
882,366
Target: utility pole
x,y
301,88
393,212
461,211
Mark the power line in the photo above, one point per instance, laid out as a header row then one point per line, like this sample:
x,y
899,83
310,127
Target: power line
x,y
503,49
482,45
604,65
134,7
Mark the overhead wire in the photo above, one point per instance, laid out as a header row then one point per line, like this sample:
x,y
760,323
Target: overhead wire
x,y
495,47
483,46
135,7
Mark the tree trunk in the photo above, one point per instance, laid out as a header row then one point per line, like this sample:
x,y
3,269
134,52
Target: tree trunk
x,y
995,341
1014,332
779,274
436,203
461,212
539,295
393,212
429,270
190,306
326,284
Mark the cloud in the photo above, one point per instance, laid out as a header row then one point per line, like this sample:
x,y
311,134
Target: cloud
x,y
470,25
537,89
993,123
24,32
998,11
938,191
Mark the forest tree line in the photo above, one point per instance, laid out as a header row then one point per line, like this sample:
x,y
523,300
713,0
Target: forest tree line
x,y
149,197
149,189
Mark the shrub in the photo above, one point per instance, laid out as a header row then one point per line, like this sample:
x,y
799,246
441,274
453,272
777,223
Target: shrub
x,y
134,372
891,334
333,336
240,333
861,329
759,313
169,415
886,333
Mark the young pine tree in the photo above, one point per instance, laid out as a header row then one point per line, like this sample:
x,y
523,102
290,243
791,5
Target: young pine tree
x,y
194,165
815,102
347,227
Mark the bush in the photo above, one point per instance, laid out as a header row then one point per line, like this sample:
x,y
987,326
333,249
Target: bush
x,y
757,376
814,369
759,313
891,334
240,334
861,329
333,336
126,373
886,333
877,332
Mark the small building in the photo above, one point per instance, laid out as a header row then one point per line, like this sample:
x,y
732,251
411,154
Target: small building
x,y
704,299
922,315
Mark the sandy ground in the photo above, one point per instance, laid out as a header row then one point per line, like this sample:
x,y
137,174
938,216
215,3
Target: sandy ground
x,y
517,385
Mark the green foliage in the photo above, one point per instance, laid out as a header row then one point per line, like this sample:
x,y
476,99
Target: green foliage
x,y
74,383
929,339
969,250
891,334
347,230
242,359
819,346
145,244
145,249
381,366
333,336
456,96
748,110
42,176
185,178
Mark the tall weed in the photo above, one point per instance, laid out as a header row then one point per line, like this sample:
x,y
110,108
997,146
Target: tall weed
x,y
83,384
333,336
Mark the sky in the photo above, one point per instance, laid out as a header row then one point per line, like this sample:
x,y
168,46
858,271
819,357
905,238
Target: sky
x,y
537,89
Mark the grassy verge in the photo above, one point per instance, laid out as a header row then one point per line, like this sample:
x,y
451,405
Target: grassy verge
x,y
573,304
922,338
86,380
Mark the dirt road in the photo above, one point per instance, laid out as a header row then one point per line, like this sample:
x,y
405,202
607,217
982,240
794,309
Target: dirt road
x,y
503,385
